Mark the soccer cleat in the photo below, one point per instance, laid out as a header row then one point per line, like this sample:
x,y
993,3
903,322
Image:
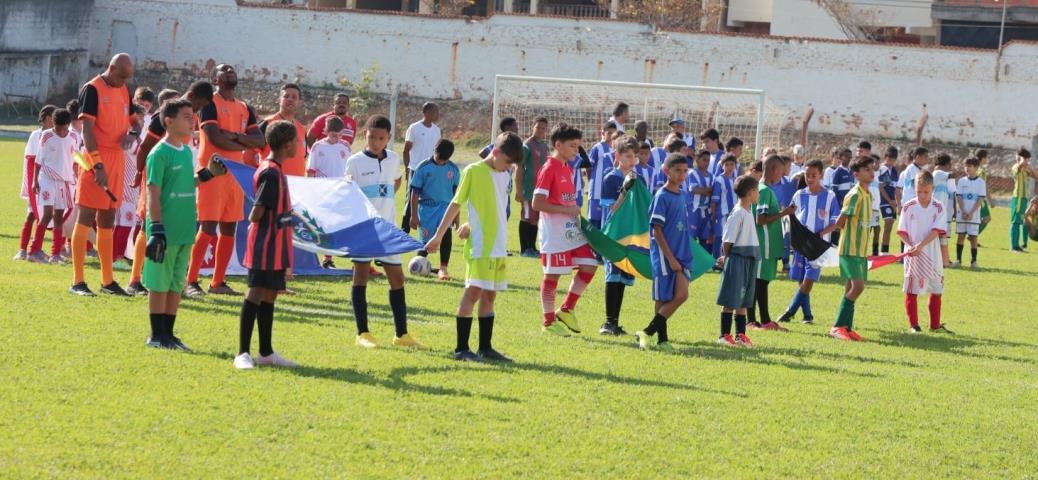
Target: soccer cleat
x,y
367,340
915,329
974,266
728,340
21,255
194,290
942,329
785,317
176,344
665,347
774,326
408,341
1018,250
840,333
466,356
530,253
374,272
955,264
491,355
275,360
569,319
328,263
81,289
222,289
57,260
809,320
136,289
121,266
244,362
754,325
643,339
611,329
157,343
854,336
743,340
556,329
114,289
37,257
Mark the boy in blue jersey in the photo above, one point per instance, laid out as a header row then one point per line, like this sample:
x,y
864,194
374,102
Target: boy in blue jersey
x,y
700,186
601,163
672,144
507,125
645,169
888,206
433,185
670,249
722,200
711,141
842,180
614,188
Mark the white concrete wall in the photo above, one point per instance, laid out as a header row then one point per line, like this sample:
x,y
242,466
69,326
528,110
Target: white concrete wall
x,y
855,88
808,18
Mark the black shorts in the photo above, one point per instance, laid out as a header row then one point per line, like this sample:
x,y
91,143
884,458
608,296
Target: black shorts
x,y
270,279
886,211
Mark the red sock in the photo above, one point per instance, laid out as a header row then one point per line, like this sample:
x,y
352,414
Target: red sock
x,y
26,233
37,241
224,250
202,241
911,308
576,289
122,235
58,243
935,311
548,300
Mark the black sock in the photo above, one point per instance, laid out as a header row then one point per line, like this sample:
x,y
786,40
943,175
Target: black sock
x,y
486,332
423,253
751,313
398,304
654,325
886,248
360,304
464,328
445,247
170,321
740,324
157,325
762,300
726,323
973,255
614,292
247,319
265,321
662,329
875,248
958,252
525,242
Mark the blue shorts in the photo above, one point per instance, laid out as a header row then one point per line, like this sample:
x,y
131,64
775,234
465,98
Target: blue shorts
x,y
615,275
663,282
886,211
699,224
429,218
803,270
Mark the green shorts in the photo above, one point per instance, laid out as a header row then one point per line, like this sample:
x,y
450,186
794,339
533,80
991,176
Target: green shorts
x,y
1017,208
767,269
854,268
171,274
487,274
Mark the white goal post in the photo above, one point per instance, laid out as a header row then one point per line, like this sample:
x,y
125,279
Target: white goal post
x,y
587,104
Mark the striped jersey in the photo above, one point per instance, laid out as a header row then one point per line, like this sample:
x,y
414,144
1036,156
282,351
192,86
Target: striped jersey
x,y
697,179
376,176
842,182
54,156
857,207
917,222
970,191
578,178
270,245
724,195
1019,181
716,167
816,211
600,164
485,191
888,179
649,175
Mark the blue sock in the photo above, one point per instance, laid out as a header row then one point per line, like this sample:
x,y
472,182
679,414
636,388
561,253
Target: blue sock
x,y
798,299
805,303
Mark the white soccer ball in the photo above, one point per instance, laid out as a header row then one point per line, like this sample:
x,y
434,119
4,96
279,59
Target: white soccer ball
x,y
419,266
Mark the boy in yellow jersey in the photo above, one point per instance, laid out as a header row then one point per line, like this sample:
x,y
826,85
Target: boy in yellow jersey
x,y
854,220
1018,204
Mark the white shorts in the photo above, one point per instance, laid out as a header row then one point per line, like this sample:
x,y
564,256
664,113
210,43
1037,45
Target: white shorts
x,y
55,193
875,219
971,229
919,286
126,215
561,263
390,260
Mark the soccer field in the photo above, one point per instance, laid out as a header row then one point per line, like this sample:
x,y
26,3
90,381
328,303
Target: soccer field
x,y
82,397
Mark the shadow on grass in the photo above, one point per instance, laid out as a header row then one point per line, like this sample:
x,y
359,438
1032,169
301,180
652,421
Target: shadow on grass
x,y
759,355
297,310
951,344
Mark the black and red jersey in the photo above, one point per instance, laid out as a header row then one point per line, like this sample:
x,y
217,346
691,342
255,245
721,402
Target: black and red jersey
x,y
270,246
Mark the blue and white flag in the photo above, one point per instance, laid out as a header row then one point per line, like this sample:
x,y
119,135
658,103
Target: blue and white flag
x,y
335,217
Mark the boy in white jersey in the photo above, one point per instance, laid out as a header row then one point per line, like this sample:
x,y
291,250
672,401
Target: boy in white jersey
x,y
52,185
484,188
922,223
328,159
970,194
46,119
944,193
377,171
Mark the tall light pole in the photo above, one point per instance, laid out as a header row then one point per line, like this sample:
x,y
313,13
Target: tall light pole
x,y
1001,36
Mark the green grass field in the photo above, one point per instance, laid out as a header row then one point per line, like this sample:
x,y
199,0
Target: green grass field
x,y
83,397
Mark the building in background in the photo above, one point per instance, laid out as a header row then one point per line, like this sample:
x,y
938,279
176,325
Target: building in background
x,y
978,23
894,21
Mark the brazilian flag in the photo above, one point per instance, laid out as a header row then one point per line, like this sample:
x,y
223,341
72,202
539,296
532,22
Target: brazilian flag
x,y
624,240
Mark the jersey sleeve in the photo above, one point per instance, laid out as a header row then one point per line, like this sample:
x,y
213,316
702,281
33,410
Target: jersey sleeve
x,y
611,189
850,203
267,189
251,123
156,166
409,134
901,227
832,209
545,182
456,180
716,195
731,228
461,196
982,192
658,212
351,169
207,115
32,147
940,220
418,179
88,102
317,128
156,129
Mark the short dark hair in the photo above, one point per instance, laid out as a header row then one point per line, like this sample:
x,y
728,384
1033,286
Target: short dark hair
x,y
757,166
171,108
379,122
942,159
1023,152
341,95
703,153
917,151
427,106
167,94
144,94
292,86
279,134
729,158
201,90
136,109
710,134
644,146
744,185
334,123
541,119
815,164
73,106
860,163
564,132
973,161
511,145
444,149
786,159
625,143
62,117
981,154
620,109
845,151
674,159
46,111
641,123
675,145
506,123
891,152
865,144
874,157
733,143
609,125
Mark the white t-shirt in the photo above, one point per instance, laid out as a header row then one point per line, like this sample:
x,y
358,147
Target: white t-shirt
x,y
377,179
794,169
970,191
423,142
54,156
943,188
740,229
31,147
917,222
907,182
329,159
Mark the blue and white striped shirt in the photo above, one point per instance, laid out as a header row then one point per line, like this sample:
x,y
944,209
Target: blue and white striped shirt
x,y
816,211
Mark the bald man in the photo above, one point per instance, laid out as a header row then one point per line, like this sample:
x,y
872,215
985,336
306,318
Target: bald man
x,y
105,111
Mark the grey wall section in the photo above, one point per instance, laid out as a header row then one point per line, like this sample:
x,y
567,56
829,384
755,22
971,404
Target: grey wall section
x,y
43,48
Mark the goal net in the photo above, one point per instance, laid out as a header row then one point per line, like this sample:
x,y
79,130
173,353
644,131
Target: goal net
x,y
587,104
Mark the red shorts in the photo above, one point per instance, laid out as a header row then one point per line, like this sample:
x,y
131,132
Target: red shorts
x,y
90,195
221,200
562,263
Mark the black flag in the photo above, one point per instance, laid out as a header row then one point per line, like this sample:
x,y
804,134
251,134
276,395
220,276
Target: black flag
x,y
804,241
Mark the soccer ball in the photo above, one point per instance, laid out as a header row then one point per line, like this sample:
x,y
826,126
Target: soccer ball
x,y
419,266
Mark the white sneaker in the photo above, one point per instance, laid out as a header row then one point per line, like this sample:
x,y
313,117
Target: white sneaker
x,y
275,360
955,264
21,255
244,362
974,266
